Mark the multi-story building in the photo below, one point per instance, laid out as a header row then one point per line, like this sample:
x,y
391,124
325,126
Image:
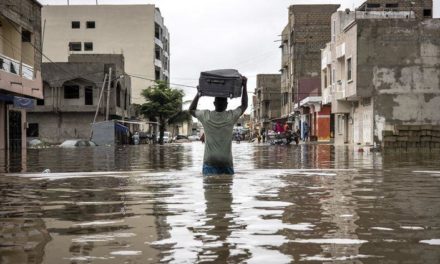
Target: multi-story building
x,y
381,69
306,33
136,31
267,99
76,94
20,70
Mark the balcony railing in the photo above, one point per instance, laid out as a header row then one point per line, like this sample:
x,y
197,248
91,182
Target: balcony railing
x,y
13,66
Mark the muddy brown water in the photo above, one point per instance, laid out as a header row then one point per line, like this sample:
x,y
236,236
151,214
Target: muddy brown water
x,y
149,204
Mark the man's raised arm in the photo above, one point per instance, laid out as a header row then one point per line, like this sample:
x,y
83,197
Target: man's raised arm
x,y
193,106
244,96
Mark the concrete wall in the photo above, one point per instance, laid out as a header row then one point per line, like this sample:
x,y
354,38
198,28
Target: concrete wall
x,y
310,31
401,70
417,6
57,127
268,99
126,29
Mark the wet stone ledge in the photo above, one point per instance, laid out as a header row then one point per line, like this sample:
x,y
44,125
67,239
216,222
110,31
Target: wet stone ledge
x,y
412,138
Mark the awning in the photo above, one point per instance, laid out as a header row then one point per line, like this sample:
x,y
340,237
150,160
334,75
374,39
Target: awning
x,y
24,103
19,102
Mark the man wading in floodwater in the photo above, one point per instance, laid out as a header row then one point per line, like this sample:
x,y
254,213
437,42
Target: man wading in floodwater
x,y
218,127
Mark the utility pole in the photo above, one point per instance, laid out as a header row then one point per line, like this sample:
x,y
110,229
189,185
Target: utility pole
x,y
100,97
108,93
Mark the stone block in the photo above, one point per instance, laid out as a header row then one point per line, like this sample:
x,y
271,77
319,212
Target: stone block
x,y
435,139
404,133
414,133
402,138
426,127
414,127
436,128
386,133
425,138
390,138
413,139
401,127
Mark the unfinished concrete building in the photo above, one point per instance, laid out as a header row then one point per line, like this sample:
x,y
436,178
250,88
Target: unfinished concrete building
x,y
74,91
20,72
381,70
306,33
267,99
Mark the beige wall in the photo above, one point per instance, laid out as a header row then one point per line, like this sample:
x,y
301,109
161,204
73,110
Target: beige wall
x,y
119,29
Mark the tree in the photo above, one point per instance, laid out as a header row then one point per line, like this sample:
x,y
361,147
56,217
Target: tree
x,y
163,103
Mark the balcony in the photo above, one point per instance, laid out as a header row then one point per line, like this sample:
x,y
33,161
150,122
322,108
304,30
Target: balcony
x,y
158,63
20,78
158,42
327,95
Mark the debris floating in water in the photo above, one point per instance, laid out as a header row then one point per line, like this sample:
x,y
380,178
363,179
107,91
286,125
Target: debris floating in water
x,y
46,171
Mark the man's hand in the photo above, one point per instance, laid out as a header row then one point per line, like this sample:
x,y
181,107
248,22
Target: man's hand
x,y
193,107
244,95
244,82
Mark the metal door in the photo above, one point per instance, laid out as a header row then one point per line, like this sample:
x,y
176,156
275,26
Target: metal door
x,y
15,131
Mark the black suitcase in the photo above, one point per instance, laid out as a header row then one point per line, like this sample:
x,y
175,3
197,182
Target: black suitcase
x,y
220,83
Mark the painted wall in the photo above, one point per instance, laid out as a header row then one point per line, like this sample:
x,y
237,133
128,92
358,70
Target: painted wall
x,y
402,71
126,29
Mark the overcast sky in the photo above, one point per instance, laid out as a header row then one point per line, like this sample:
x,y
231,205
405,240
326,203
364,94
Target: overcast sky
x,y
214,34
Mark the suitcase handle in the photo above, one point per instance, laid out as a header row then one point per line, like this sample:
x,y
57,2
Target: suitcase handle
x,y
217,81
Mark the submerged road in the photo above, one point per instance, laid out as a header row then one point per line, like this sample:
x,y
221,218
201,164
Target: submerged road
x,y
149,204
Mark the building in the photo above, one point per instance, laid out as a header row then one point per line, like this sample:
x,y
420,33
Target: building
x,y
136,31
306,33
267,105
20,71
76,91
380,70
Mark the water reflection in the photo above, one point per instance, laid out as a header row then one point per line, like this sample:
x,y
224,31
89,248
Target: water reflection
x,y
149,204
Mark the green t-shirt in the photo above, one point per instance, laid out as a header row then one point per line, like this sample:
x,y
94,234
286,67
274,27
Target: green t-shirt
x,y
218,135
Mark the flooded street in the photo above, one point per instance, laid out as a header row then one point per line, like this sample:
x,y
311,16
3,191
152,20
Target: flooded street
x,y
149,204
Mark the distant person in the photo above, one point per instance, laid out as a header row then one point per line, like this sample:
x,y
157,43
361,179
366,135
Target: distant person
x,y
218,126
297,135
136,138
263,134
306,131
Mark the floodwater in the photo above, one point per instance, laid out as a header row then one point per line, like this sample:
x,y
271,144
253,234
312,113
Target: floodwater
x,y
149,204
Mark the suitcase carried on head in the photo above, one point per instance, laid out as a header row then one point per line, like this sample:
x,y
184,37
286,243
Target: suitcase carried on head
x,y
220,83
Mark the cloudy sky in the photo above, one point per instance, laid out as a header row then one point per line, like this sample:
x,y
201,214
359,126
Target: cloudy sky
x,y
213,34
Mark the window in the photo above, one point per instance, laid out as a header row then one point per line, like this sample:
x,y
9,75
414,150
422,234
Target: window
x,y
373,5
427,12
157,53
334,31
40,101
324,73
32,130
90,24
157,74
118,95
157,31
75,46
26,36
333,75
88,95
71,92
125,100
2,67
349,69
394,5
88,46
76,24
